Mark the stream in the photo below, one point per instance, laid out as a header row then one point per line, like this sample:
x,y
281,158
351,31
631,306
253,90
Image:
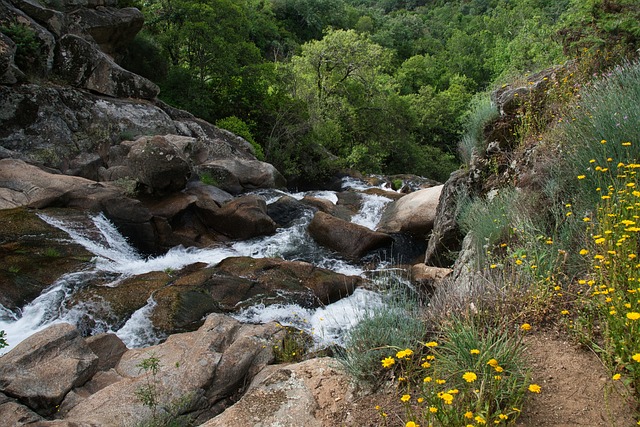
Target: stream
x,y
115,258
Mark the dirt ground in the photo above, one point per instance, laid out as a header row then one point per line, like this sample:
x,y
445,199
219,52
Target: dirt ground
x,y
576,391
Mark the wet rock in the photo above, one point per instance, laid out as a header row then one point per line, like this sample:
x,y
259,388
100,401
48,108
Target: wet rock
x,y
414,213
315,392
286,210
292,276
33,254
350,240
42,369
241,218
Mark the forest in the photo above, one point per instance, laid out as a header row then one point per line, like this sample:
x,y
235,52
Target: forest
x,y
378,86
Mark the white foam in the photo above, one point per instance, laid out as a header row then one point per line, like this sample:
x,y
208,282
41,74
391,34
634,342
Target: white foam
x,y
371,211
138,331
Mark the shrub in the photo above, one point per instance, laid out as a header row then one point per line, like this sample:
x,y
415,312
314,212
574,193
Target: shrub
x,y
28,56
482,111
3,340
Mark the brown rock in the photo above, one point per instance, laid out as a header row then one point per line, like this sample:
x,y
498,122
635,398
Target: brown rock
x,y
351,240
241,218
109,349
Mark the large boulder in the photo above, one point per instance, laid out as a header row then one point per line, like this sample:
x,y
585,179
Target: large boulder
x,y
111,28
313,393
42,369
414,213
81,64
158,164
286,210
200,370
240,218
238,175
348,239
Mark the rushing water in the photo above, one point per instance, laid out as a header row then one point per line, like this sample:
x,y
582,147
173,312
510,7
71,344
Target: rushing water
x,y
116,258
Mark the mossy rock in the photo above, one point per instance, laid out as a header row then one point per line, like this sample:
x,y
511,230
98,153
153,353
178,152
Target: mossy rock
x,y
33,254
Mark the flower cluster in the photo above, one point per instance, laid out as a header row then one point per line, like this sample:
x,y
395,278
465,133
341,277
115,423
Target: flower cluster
x,y
443,384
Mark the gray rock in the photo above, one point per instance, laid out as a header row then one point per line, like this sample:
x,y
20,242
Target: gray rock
x,y
81,64
112,29
14,414
42,369
351,240
7,52
446,236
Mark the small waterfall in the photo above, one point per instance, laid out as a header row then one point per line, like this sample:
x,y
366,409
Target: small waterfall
x,y
327,325
115,258
138,331
43,311
371,211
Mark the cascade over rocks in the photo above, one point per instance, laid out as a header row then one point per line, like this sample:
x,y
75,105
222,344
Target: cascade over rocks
x,y
34,255
184,297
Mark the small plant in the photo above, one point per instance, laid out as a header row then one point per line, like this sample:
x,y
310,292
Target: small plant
x,y
28,55
208,179
14,269
3,340
52,253
128,185
293,347
148,393
397,184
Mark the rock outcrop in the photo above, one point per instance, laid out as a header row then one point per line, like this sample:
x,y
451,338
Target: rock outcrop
x,y
40,371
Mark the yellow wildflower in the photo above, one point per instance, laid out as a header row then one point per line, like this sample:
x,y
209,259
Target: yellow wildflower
x,y
388,362
469,377
405,397
535,388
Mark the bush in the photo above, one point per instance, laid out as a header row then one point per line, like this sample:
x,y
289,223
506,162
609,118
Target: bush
x,y
28,55
481,112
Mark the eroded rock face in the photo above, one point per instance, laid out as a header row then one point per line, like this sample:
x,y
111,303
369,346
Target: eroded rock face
x,y
414,213
81,65
7,52
446,237
351,240
41,370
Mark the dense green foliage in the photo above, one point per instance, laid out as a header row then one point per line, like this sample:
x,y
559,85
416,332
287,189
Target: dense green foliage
x,y
376,85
